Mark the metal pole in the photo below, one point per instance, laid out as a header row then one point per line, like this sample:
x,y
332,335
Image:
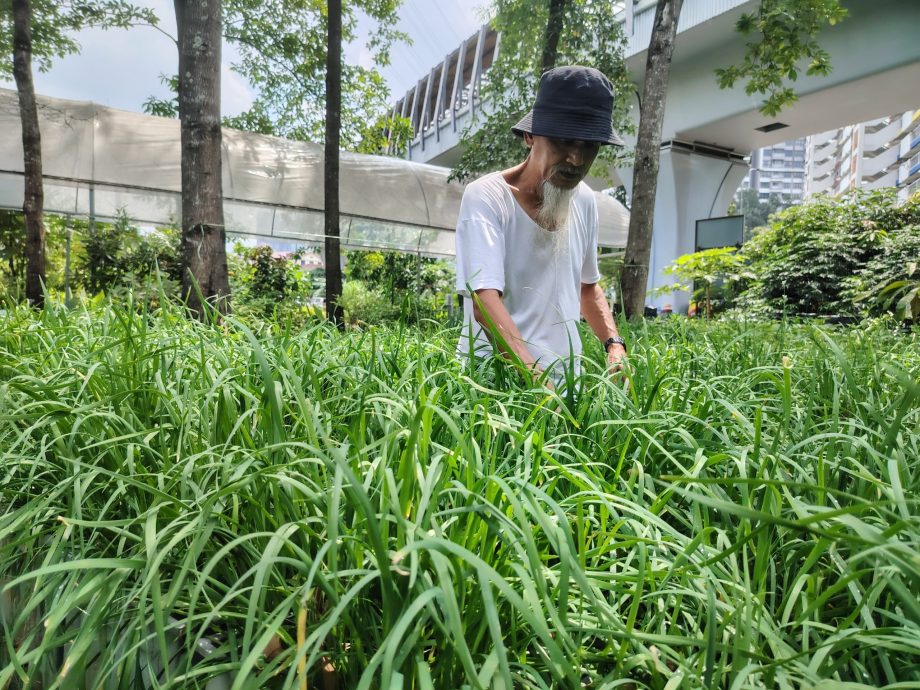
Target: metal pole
x,y
458,85
477,68
67,294
92,209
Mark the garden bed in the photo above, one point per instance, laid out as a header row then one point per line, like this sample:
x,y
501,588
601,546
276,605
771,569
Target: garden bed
x,y
742,514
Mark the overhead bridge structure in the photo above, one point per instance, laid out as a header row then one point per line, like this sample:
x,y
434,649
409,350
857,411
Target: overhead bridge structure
x,y
708,132
98,161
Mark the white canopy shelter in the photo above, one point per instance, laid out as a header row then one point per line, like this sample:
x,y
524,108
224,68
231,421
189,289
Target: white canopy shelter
x,y
98,160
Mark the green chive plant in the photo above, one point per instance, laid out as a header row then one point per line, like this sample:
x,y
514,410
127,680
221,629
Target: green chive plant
x,y
243,505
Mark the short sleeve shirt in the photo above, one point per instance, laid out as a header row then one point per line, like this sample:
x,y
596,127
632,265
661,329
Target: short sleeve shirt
x,y
538,272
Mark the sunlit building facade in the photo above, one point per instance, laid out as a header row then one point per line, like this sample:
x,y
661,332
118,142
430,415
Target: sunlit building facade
x,y
909,156
884,152
778,169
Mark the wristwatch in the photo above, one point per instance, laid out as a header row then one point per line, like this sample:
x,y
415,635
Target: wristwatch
x,y
615,340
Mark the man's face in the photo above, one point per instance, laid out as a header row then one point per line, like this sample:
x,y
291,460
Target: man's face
x,y
562,162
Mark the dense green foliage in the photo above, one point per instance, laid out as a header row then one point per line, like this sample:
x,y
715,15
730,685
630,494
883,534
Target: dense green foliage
x,y
855,255
397,272
804,260
111,258
117,259
743,514
383,286
116,255
890,281
270,283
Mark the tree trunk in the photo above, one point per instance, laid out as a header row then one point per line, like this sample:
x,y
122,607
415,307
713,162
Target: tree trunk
x,y
648,147
33,196
552,34
204,252
331,177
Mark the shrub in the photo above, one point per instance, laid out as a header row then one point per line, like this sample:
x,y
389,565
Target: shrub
x,y
151,268
365,305
114,258
710,275
157,250
890,281
13,253
105,245
414,288
399,272
268,283
802,262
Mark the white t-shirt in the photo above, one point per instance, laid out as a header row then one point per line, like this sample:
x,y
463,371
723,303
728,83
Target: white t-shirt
x,y
500,247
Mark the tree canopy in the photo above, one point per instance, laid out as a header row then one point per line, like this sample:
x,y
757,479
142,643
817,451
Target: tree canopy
x,y
756,212
34,33
282,48
784,35
581,32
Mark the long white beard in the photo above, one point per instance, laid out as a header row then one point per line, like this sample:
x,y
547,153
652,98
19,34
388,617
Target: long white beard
x,y
553,213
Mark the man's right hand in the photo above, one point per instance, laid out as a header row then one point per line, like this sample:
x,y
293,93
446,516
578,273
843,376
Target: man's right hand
x,y
490,312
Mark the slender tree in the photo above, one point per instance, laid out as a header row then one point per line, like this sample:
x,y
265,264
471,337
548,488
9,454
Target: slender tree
x,y
331,177
33,197
634,276
39,31
553,32
204,254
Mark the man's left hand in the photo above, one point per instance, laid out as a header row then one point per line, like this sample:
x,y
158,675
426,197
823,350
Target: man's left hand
x,y
616,358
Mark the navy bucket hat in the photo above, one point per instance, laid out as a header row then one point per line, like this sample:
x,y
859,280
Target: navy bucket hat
x,y
573,102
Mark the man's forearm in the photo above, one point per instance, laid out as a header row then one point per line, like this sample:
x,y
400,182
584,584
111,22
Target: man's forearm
x,y
490,312
596,310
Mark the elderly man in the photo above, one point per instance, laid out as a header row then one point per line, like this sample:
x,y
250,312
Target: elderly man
x,y
527,236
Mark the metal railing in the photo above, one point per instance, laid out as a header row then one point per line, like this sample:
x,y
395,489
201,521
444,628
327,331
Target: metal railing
x,y
449,89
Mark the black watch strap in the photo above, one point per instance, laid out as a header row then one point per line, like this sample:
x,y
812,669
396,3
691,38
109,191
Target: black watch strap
x,y
615,340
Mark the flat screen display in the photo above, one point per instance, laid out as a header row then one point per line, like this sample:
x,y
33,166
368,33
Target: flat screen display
x,y
726,231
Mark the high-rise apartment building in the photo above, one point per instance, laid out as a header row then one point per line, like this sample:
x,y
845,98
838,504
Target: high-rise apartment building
x,y
909,155
778,169
868,155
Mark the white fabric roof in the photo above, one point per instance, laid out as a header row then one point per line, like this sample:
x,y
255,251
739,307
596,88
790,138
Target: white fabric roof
x,y
272,187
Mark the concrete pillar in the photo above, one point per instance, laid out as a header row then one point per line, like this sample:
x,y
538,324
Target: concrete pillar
x,y
692,185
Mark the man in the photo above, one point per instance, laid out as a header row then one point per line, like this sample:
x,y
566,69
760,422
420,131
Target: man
x,y
527,236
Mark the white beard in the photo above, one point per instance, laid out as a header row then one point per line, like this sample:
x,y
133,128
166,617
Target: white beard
x,y
553,213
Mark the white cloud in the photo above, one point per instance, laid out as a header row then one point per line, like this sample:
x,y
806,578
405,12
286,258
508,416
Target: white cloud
x,y
118,68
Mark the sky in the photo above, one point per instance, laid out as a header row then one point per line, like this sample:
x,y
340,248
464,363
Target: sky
x,y
122,68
